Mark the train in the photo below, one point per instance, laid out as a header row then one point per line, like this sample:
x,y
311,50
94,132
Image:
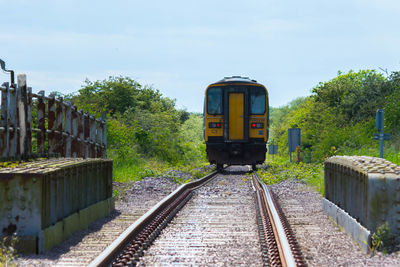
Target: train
x,y
236,122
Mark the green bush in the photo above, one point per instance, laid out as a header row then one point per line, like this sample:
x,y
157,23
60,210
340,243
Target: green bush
x,y
146,134
341,115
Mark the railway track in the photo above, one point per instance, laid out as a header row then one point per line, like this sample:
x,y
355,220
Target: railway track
x,y
279,245
217,226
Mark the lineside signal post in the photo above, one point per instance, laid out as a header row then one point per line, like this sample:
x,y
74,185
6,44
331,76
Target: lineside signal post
x,y
273,149
294,136
381,136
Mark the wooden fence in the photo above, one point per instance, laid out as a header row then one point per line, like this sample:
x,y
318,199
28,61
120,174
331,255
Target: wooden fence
x,y
60,128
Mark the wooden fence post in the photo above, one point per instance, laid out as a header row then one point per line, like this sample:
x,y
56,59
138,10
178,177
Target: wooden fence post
x,y
81,133
59,127
74,132
29,120
104,132
50,123
92,136
86,129
70,133
5,96
99,136
41,135
67,129
22,103
12,122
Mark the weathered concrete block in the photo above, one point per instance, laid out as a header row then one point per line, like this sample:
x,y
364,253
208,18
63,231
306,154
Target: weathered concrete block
x,y
25,243
367,188
358,232
71,224
50,237
42,198
84,216
111,204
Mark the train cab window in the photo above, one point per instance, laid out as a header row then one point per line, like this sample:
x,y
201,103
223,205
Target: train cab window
x,y
214,101
257,100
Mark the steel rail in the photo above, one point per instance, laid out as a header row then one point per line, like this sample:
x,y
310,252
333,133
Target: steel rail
x,y
114,249
286,255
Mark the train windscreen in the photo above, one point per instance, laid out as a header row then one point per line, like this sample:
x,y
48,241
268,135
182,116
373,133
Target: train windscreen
x,y
214,101
257,100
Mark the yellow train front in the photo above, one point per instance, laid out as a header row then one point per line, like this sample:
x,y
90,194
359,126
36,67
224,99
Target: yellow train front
x,y
236,121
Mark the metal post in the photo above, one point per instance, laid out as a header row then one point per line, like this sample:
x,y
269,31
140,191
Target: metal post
x,y
298,154
381,141
294,140
273,144
381,136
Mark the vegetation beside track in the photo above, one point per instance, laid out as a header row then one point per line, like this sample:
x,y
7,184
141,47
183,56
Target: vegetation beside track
x,y
339,117
8,252
281,169
149,136
146,134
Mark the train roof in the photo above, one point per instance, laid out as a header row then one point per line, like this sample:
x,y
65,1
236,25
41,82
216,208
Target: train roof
x,y
236,79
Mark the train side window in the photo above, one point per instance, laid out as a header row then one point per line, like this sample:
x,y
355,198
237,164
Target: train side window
x,y
214,101
257,100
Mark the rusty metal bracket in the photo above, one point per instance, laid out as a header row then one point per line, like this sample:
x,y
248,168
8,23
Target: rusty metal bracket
x,y
3,67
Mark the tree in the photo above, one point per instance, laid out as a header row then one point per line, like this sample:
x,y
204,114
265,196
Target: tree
x,y
356,95
116,95
392,106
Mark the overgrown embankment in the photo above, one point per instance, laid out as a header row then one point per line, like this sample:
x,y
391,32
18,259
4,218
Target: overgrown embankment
x,y
146,134
339,117
281,169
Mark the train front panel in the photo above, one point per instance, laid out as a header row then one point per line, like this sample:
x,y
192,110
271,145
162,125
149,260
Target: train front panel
x,y
236,122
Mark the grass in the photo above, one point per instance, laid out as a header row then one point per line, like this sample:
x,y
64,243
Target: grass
x,y
281,169
135,171
383,239
197,170
132,167
278,167
131,172
7,250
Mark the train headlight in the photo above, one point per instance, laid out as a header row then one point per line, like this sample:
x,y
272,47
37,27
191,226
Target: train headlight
x,y
257,125
214,125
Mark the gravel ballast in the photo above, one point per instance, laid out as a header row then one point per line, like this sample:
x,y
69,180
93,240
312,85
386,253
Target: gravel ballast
x,y
322,242
217,227
134,199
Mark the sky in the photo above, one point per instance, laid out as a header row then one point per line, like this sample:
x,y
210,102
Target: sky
x,y
180,47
